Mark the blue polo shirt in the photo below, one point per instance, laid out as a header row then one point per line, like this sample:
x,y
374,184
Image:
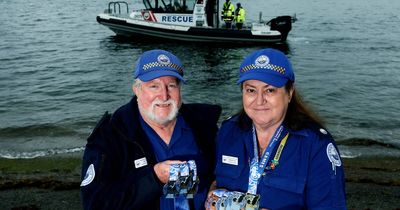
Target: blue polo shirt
x,y
182,143
309,174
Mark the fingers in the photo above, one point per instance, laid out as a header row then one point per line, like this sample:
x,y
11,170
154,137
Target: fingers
x,y
170,162
213,187
210,203
212,198
162,169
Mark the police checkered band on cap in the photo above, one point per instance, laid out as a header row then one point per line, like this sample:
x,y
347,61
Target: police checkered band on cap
x,y
158,64
269,66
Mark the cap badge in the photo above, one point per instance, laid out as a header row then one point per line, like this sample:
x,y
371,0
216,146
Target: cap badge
x,y
262,61
163,59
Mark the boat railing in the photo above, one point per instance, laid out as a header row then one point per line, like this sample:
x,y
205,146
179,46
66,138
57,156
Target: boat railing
x,y
114,7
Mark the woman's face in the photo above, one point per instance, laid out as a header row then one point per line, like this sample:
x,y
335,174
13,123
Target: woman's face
x,y
265,104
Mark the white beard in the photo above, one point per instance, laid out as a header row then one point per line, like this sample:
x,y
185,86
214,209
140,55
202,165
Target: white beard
x,y
150,112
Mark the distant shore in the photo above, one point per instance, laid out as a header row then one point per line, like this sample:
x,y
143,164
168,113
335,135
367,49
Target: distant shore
x,y
53,183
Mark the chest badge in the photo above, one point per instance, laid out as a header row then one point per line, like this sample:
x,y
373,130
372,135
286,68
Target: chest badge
x,y
230,160
140,162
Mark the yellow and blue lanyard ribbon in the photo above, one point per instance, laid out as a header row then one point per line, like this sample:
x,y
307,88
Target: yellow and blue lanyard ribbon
x,y
257,166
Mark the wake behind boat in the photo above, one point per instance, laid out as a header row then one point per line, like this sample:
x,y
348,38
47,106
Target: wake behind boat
x,y
189,20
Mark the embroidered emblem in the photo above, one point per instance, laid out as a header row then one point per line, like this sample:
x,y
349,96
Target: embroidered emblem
x,y
262,61
146,16
333,155
89,177
163,59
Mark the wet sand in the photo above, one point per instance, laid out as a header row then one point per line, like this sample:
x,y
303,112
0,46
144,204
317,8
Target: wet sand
x,y
53,183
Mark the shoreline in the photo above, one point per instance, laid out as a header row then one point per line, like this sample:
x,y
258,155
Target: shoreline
x,y
53,183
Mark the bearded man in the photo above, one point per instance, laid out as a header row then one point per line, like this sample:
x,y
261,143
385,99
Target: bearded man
x,y
128,156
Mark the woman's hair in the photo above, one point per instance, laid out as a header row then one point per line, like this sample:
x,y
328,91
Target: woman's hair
x,y
298,114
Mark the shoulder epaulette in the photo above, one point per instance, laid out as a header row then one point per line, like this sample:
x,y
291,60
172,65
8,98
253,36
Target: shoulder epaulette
x,y
320,131
227,119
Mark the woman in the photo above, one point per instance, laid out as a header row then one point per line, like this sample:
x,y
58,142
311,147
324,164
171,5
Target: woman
x,y
274,154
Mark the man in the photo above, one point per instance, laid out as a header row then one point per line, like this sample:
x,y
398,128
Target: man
x,y
128,156
227,13
239,16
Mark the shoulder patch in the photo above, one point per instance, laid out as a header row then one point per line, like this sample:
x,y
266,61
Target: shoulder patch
x,y
333,155
89,177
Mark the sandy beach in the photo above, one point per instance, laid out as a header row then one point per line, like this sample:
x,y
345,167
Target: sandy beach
x,y
53,183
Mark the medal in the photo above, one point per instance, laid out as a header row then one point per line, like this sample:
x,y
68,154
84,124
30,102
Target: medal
x,y
257,166
183,180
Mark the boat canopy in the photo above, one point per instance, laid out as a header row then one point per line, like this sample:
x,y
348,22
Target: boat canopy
x,y
207,7
170,6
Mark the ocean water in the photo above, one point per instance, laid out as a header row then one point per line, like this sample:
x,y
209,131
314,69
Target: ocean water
x,y
61,70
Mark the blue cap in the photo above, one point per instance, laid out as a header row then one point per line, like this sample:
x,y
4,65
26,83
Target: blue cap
x,y
158,63
267,65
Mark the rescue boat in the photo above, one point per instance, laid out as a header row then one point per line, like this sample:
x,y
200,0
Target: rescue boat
x,y
189,21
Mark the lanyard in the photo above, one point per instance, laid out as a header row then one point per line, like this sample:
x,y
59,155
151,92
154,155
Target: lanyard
x,y
257,166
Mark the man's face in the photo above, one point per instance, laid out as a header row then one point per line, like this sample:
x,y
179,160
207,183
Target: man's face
x,y
159,99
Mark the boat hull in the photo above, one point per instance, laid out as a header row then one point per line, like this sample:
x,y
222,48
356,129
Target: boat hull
x,y
125,27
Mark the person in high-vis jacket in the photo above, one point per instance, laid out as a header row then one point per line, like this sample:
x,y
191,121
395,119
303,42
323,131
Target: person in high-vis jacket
x,y
128,157
240,16
228,11
275,153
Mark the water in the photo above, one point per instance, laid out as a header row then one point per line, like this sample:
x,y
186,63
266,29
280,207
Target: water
x,y
60,71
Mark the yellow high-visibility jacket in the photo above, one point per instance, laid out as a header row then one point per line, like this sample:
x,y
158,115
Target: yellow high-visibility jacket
x,y
240,15
228,11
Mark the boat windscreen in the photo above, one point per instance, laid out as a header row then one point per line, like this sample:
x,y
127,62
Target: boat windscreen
x,y
150,4
170,6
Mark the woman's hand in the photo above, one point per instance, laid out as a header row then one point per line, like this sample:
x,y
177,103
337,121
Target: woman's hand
x,y
211,197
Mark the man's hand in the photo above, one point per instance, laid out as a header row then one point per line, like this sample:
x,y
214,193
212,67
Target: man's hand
x,y
162,169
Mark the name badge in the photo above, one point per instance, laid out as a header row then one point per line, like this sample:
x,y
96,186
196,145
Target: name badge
x,y
140,162
230,160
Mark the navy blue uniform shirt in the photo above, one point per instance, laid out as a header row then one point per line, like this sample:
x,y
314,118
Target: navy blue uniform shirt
x,y
182,143
309,174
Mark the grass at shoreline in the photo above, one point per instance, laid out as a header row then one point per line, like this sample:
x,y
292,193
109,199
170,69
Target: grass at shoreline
x,y
378,170
381,170
375,170
69,163
56,173
371,182
41,164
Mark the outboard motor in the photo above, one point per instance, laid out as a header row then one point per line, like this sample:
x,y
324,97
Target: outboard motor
x,y
282,24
